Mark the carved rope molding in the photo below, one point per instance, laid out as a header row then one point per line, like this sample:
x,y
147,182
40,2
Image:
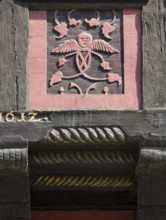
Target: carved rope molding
x,y
14,159
83,181
83,157
84,135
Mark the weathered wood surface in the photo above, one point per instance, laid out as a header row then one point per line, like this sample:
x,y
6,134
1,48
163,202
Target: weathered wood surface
x,y
151,203
145,128
93,4
154,53
151,213
49,1
151,174
151,195
140,125
92,200
13,59
97,215
14,181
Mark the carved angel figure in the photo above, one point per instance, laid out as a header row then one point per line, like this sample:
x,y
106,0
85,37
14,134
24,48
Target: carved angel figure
x,y
83,49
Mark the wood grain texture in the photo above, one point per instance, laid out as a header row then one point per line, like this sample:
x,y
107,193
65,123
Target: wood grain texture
x,y
88,215
82,4
14,181
151,213
81,200
151,203
138,126
13,60
151,190
48,1
154,52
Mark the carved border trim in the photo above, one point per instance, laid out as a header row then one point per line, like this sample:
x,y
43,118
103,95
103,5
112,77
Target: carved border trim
x,y
83,181
83,157
82,135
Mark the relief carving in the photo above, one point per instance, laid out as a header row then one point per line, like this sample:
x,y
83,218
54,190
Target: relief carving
x,y
56,181
75,56
87,135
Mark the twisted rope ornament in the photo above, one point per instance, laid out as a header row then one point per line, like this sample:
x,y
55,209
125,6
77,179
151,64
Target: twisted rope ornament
x,y
83,157
83,181
86,135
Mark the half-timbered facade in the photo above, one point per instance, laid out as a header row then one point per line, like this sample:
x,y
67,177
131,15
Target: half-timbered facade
x,y
82,110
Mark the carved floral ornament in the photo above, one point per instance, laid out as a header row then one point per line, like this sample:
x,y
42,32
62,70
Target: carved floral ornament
x,y
61,80
82,49
61,28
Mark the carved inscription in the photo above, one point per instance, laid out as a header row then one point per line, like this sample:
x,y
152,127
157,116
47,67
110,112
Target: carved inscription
x,y
21,117
80,54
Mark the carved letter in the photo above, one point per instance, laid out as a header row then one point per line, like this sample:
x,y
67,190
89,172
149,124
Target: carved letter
x,y
9,117
22,117
0,116
32,117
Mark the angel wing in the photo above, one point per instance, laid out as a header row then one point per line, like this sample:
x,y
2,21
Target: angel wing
x,y
101,45
66,47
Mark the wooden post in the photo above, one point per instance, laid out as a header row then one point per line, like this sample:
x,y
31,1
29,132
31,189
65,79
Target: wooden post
x,y
14,180
13,59
152,182
154,52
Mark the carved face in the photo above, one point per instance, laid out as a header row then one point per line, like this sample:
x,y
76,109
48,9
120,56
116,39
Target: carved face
x,y
84,40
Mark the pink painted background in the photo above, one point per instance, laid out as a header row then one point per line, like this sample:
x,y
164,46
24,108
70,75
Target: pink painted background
x,y
40,100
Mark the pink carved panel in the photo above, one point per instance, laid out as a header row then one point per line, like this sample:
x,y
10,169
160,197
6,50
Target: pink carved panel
x,y
77,62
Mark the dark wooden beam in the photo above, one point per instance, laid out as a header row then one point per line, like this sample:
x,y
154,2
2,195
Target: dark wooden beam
x,y
151,182
49,1
13,62
154,53
14,181
137,125
49,215
92,4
